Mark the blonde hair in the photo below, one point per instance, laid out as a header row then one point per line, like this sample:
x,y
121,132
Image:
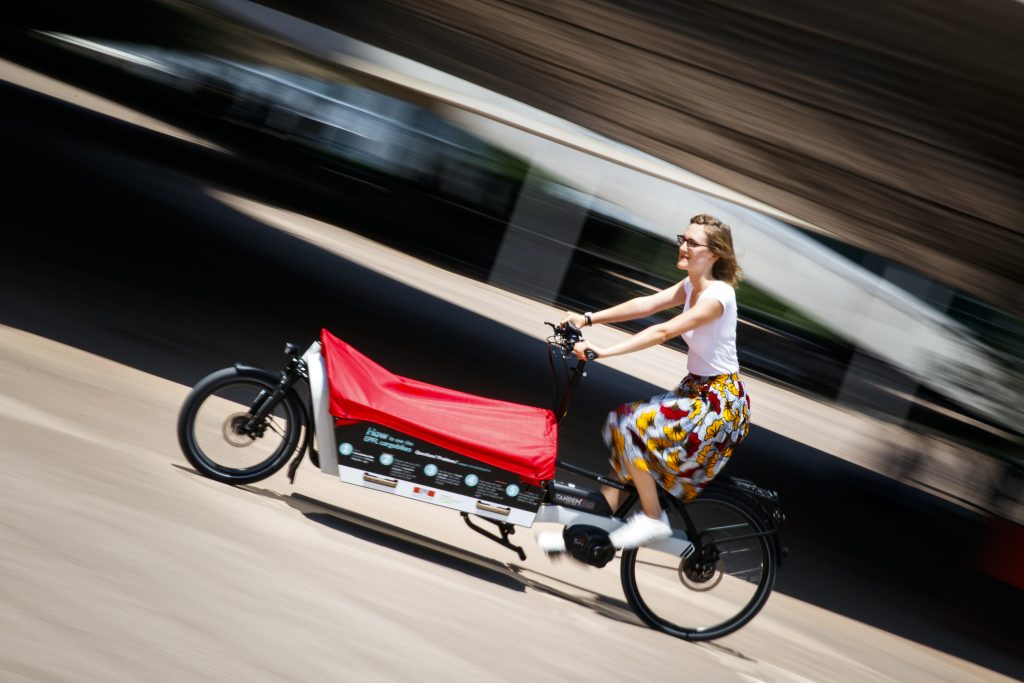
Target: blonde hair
x,y
719,238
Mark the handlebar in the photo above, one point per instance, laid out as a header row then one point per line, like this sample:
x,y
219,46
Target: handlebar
x,y
566,336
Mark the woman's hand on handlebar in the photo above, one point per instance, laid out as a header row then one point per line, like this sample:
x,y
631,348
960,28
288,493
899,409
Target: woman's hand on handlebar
x,y
577,319
581,349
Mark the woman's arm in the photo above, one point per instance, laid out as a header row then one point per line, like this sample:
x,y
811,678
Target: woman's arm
x,y
639,307
707,310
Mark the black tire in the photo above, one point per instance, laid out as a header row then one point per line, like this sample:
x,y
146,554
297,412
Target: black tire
x,y
672,595
217,404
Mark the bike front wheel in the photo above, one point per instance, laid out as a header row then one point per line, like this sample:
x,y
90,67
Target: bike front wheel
x,y
712,593
218,437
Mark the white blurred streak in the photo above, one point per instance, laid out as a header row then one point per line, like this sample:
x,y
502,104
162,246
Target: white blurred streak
x,y
538,246
28,78
877,315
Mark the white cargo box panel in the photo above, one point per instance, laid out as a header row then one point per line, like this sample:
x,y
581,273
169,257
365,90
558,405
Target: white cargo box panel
x,y
384,459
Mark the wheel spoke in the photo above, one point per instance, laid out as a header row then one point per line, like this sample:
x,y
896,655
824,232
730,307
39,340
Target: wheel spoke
x,y
273,426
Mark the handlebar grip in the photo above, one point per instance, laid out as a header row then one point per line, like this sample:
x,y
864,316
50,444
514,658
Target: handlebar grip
x,y
590,354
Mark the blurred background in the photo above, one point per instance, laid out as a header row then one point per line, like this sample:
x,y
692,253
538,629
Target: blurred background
x,y
868,159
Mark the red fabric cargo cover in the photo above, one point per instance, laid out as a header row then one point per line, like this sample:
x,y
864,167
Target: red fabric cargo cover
x,y
514,437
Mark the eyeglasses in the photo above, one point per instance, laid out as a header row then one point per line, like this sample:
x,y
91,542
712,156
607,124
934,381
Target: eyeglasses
x,y
683,239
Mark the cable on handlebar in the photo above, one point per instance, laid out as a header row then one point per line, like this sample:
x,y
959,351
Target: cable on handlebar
x,y
564,337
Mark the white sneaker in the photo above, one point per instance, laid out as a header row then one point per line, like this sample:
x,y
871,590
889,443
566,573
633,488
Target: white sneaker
x,y
551,541
640,530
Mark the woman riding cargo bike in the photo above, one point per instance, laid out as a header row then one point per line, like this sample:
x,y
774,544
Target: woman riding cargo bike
x,y
696,567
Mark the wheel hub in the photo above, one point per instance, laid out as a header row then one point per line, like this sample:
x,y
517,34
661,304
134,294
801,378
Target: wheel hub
x,y
233,430
703,571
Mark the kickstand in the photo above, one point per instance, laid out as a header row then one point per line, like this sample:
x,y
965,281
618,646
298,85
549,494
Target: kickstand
x,y
506,531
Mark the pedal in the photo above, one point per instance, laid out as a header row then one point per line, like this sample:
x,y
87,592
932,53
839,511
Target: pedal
x,y
551,542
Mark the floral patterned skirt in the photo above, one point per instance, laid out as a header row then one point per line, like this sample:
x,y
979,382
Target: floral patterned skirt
x,y
684,437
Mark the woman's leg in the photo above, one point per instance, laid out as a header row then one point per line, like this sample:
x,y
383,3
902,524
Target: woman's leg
x,y
649,526
646,487
620,426
613,495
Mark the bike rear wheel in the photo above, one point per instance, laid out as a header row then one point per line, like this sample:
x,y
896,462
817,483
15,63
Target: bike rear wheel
x,y
212,426
709,594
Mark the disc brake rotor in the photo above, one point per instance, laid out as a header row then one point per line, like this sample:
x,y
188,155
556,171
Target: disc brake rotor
x,y
231,428
701,577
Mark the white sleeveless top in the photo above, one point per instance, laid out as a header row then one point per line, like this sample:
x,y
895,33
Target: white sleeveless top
x,y
713,345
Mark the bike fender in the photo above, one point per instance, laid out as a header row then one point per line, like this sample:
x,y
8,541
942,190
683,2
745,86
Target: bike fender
x,y
244,369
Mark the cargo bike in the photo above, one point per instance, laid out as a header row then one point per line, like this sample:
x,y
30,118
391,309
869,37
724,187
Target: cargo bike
x,y
494,462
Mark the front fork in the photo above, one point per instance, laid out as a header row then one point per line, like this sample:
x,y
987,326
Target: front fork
x,y
265,402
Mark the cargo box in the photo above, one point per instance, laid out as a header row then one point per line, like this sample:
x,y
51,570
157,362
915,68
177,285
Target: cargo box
x,y
384,459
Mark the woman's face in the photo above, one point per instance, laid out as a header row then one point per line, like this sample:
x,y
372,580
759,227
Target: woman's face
x,y
694,254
